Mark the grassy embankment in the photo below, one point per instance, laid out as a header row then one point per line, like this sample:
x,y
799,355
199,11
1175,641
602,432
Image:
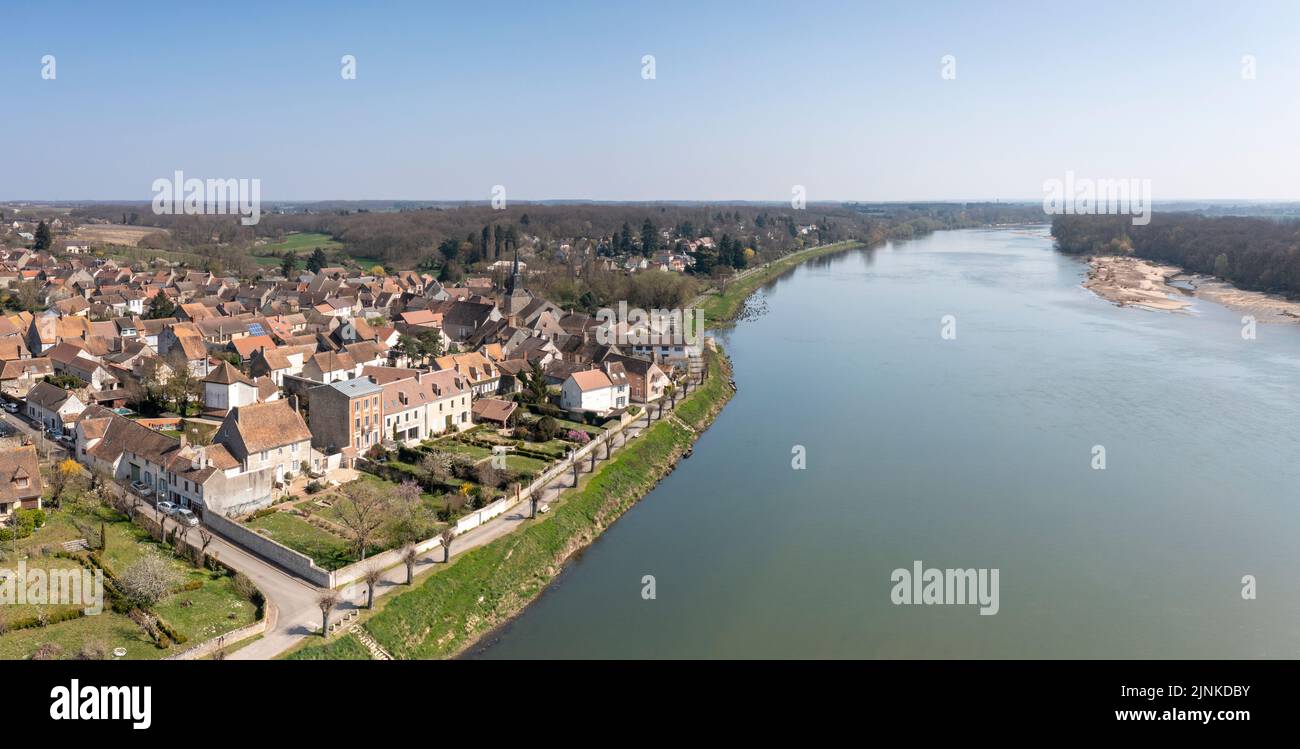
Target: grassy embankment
x,y
723,306
447,611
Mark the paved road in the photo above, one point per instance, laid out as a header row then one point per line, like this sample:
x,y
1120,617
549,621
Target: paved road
x,y
20,425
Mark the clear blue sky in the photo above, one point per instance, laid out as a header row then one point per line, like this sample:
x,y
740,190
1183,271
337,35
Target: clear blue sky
x,y
750,98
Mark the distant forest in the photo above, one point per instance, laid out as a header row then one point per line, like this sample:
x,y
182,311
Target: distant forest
x,y
427,237
1259,254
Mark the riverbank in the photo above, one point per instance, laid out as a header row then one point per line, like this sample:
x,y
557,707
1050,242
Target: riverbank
x,y
1129,281
723,306
1133,282
452,608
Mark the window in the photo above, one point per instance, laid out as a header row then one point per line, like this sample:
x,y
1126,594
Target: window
x,y
22,482
263,455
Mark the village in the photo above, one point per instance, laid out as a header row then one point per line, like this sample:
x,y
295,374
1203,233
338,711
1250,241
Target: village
x,y
332,424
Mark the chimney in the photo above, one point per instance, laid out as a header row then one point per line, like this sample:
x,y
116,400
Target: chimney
x,y
184,441
293,402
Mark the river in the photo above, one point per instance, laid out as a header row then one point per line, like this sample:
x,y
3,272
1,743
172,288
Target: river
x,y
973,451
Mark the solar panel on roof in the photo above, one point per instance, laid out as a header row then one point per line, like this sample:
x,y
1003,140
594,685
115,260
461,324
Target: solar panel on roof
x,y
256,329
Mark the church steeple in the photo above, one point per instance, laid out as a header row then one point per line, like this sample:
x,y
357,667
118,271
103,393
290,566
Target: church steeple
x,y
514,282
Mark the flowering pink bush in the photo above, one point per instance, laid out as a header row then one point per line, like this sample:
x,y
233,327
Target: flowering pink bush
x,y
581,438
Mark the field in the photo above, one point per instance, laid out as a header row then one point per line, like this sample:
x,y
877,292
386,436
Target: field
x,y
299,244
129,236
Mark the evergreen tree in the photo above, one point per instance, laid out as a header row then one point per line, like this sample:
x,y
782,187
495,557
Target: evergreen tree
x,y
44,238
317,260
288,264
160,306
649,237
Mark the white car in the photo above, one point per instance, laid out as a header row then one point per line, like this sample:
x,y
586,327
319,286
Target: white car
x,y
11,408
141,488
167,508
185,517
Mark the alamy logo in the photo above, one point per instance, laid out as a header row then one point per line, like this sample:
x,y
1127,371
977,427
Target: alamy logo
x,y
656,327
1083,195
951,587
76,702
213,197
67,587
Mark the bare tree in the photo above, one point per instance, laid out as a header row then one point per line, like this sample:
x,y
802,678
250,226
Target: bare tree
x,y
372,577
447,535
409,555
363,510
326,602
205,540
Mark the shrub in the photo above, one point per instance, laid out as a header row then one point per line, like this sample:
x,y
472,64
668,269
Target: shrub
x,y
314,487
148,580
49,651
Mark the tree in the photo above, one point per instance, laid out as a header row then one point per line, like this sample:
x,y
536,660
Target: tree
x,y
545,429
534,382
410,520
160,306
372,577
288,264
326,602
317,260
44,238
649,237
409,555
363,510
148,580
447,536
61,479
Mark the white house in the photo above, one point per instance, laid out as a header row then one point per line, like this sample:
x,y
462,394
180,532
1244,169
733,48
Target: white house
x,y
595,390
52,406
226,388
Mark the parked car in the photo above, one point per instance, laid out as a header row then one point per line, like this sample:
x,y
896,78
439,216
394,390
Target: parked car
x,y
11,408
168,508
67,440
141,488
186,517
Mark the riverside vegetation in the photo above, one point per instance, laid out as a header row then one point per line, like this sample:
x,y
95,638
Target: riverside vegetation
x,y
452,608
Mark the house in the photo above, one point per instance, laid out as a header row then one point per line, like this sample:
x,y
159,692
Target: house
x,y
184,341
494,410
20,480
18,376
331,366
346,417
429,403
202,477
484,376
595,390
646,379
267,438
225,388
52,406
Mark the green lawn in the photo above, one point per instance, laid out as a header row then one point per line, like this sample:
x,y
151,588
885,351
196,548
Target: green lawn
x,y
109,629
15,612
207,611
327,550
345,648
525,464
298,243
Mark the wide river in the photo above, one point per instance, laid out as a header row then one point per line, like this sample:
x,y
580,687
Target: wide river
x,y
973,451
